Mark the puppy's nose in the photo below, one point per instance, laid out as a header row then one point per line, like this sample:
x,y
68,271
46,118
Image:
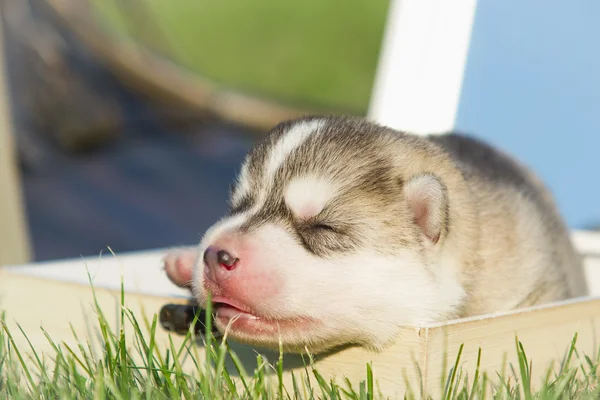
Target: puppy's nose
x,y
226,260
218,259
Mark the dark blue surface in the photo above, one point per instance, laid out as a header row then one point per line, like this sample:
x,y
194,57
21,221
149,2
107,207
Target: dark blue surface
x,y
152,188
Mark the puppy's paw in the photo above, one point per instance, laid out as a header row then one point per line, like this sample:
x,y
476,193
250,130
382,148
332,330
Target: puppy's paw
x,y
179,264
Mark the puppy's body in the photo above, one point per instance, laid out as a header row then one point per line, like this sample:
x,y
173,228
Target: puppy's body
x,y
340,231
524,254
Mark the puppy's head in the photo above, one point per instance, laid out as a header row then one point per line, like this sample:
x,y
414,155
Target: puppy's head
x,y
327,242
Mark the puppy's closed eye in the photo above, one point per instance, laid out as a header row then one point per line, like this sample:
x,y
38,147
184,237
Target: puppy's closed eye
x,y
320,226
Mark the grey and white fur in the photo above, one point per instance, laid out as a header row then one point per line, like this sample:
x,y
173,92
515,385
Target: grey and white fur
x,y
340,231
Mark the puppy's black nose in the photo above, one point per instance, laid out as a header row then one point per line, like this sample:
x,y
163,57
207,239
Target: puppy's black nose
x,y
219,258
225,259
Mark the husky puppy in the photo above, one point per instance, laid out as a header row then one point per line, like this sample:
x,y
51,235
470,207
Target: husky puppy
x,y
341,230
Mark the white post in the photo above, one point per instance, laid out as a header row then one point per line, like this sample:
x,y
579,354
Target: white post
x,y
422,61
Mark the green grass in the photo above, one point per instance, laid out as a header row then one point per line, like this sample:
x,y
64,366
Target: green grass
x,y
80,373
314,52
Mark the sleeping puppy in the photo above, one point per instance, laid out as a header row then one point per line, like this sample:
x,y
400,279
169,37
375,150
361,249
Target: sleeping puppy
x,y
340,231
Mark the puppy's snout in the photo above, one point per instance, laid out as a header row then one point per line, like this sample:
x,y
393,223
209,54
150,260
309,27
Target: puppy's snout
x,y
219,262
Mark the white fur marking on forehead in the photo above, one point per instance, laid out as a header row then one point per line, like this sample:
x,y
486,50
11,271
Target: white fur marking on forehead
x,y
289,141
307,196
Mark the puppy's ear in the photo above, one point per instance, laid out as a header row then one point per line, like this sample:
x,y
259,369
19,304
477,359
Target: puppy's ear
x,y
427,198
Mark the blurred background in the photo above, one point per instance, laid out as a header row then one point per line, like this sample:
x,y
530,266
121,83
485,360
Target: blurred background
x,y
131,117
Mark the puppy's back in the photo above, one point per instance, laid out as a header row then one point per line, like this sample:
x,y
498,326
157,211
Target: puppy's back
x,y
524,242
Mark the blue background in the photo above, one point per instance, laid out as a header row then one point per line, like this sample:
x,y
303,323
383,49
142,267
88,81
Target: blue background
x,y
532,87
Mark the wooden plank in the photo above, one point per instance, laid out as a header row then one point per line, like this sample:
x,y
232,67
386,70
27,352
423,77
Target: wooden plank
x,y
546,333
34,302
14,236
